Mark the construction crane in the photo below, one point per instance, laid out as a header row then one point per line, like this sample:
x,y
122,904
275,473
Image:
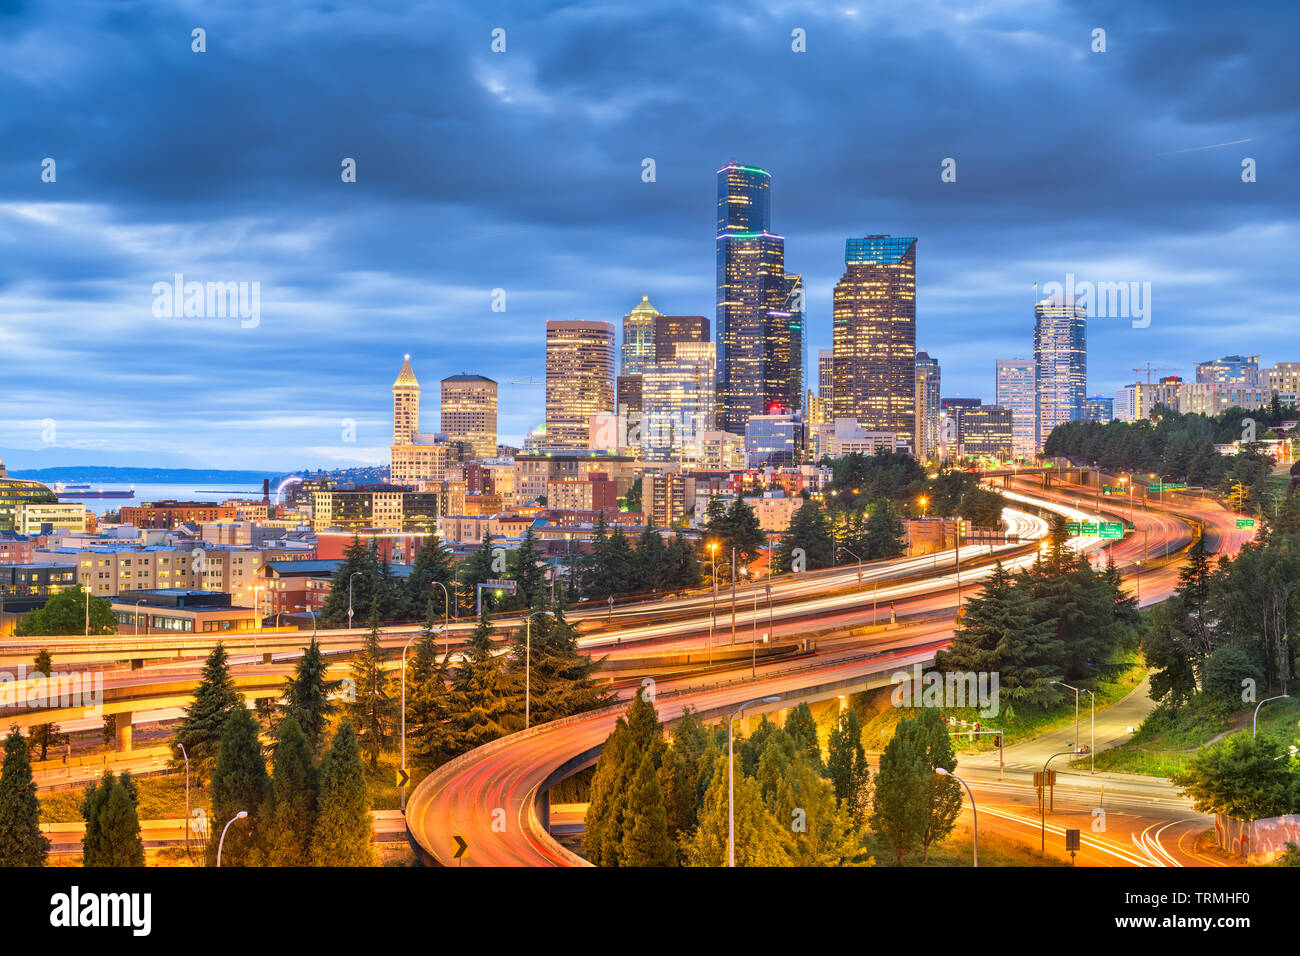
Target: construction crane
x,y
1149,369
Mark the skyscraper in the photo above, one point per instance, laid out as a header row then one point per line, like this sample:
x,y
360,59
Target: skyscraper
x,y
1016,388
469,412
1061,356
927,406
754,294
1229,370
678,403
413,457
671,329
875,335
794,340
639,337
579,380
826,377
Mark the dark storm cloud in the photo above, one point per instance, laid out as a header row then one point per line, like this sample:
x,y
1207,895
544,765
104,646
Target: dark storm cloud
x,y
522,171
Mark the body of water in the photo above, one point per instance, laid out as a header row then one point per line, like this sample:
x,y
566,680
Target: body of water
x,y
211,491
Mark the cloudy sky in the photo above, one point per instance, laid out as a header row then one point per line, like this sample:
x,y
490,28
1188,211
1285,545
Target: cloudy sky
x,y
522,170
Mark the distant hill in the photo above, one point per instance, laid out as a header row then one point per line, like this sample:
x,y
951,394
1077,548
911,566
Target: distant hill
x,y
100,474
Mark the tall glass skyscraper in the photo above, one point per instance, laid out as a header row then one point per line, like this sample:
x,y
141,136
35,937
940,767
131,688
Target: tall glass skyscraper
x,y
639,337
927,407
579,380
875,335
1016,388
754,321
1061,356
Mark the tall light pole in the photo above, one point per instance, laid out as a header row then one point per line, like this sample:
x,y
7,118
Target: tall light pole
x,y
222,842
731,775
1092,721
402,807
446,618
1042,793
350,577
733,597
713,615
753,645
974,815
1076,707
857,558
187,798
1254,722
137,616
304,607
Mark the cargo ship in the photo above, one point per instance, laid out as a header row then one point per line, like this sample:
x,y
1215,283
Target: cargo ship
x,y
70,492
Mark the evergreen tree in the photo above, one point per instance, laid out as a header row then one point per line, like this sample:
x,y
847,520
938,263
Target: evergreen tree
x,y
1164,646
899,811
372,709
759,839
802,729
306,696
941,794
428,733
119,830
645,828
651,564
683,565
809,530
92,804
366,596
822,833
433,562
215,700
884,535
562,678
525,569
637,734
21,841
485,696
343,831
846,765
44,736
289,815
239,782
478,569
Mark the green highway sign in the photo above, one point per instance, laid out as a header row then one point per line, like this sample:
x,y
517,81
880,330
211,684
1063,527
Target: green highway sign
x,y
1088,528
1153,488
1176,487
1245,522
1112,529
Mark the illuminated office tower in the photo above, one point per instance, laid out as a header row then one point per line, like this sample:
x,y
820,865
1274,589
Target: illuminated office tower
x,y
825,386
754,323
1061,357
469,412
677,400
791,346
579,380
874,335
1016,388
406,404
639,337
1229,370
927,406
671,329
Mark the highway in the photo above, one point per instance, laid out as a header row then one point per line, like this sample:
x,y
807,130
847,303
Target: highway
x,y
502,780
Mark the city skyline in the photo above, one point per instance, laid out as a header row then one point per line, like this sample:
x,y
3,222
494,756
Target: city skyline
x,y
411,256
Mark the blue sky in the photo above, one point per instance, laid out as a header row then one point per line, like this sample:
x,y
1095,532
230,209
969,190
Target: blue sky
x,y
522,171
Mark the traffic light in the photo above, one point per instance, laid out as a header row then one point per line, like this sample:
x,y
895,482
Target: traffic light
x,y
997,740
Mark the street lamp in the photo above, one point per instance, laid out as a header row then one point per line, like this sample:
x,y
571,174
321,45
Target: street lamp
x,y
350,577
713,615
446,615
974,816
222,842
405,646
1254,723
304,607
731,774
1042,792
859,560
137,616
1092,721
187,798
1076,707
